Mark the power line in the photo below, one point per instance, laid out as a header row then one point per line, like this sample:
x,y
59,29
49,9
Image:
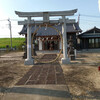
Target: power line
x,y
82,15
96,21
4,20
90,16
11,20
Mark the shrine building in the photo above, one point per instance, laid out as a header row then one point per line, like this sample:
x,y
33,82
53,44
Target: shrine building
x,y
49,39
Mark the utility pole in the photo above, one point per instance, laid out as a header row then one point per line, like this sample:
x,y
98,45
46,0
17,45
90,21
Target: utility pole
x,y
78,19
10,32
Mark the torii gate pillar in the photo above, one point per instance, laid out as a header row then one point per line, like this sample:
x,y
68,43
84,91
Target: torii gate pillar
x,y
29,60
65,59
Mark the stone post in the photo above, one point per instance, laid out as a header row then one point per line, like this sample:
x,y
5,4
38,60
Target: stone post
x,y
65,59
29,60
40,44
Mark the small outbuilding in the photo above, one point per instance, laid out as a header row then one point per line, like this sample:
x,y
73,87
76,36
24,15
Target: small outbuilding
x,y
90,39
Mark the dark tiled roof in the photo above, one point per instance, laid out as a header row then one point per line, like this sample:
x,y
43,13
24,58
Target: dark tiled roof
x,y
94,32
43,31
89,36
97,30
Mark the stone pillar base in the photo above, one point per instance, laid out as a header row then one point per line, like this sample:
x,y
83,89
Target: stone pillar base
x,y
65,61
29,61
72,57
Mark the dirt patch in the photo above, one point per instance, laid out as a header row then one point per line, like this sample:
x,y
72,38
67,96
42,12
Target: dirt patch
x,y
82,75
12,68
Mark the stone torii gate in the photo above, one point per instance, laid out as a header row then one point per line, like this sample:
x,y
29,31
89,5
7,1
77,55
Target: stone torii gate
x,y
46,16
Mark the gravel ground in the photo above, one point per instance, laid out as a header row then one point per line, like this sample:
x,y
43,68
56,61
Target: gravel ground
x,y
83,77
12,68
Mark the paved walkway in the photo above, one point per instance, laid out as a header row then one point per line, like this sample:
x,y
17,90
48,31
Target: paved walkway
x,y
44,73
42,82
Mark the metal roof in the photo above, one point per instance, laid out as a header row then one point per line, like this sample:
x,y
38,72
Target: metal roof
x,y
48,31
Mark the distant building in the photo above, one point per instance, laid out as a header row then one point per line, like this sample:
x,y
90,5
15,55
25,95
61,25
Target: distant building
x,y
90,39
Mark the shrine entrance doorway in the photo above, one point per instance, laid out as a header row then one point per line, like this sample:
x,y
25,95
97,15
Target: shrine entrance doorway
x,y
51,45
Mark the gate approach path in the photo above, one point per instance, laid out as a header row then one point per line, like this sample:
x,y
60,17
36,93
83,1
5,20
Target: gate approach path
x,y
41,82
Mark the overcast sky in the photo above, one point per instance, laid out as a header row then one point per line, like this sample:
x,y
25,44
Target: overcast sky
x,y
88,10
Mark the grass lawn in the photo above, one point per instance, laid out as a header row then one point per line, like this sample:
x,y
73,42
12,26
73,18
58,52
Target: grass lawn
x,y
18,42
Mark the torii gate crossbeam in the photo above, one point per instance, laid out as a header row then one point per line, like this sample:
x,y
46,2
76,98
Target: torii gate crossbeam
x,y
46,15
50,13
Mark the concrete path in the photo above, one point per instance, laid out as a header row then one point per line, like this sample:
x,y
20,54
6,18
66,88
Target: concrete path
x,y
37,92
42,82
